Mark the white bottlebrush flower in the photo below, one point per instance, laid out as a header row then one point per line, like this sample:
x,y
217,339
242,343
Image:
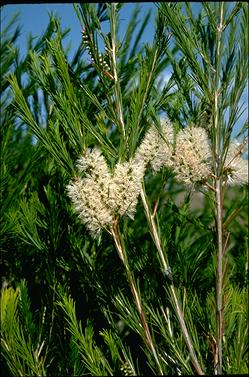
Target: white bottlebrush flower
x,y
156,148
90,204
192,154
235,168
93,164
125,186
100,196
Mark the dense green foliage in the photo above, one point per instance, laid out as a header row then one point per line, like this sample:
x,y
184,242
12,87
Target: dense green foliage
x,y
66,305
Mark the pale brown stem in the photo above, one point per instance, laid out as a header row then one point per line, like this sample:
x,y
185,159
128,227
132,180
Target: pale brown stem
x,y
219,200
135,293
166,267
219,293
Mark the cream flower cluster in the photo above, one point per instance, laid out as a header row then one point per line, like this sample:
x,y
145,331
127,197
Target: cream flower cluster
x,y
192,156
100,196
124,188
235,168
189,158
88,194
157,147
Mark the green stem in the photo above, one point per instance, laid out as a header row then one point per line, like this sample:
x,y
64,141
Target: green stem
x,y
166,266
123,256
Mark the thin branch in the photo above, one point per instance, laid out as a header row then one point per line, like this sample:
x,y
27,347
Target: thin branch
x,y
113,52
219,198
166,267
219,298
123,256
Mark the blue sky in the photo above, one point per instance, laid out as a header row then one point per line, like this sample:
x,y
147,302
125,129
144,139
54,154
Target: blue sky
x,y
34,18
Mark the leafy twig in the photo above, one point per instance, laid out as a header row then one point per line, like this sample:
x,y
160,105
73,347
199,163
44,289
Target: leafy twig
x,y
166,268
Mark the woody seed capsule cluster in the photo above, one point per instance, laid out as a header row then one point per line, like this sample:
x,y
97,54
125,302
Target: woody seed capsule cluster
x,y
102,58
127,369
